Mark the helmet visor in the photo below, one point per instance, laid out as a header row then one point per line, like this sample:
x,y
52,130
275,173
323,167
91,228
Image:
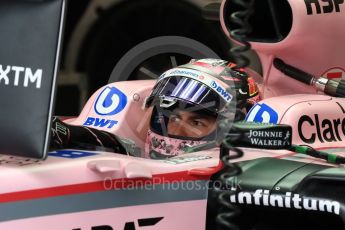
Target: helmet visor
x,y
171,89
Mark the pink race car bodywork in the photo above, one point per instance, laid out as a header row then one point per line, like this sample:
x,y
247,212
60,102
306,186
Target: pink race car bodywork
x,y
77,189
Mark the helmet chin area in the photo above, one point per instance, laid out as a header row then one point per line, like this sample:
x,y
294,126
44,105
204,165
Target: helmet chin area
x,y
161,147
160,144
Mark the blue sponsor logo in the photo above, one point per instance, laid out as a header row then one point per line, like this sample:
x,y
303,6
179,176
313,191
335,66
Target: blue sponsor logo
x,y
262,113
97,122
71,154
110,102
226,95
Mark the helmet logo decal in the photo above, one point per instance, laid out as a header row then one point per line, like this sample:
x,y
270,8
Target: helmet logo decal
x,y
212,61
262,113
252,86
162,147
227,96
187,73
110,101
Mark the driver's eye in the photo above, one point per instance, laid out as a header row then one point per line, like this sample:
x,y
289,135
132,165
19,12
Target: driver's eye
x,y
174,118
198,123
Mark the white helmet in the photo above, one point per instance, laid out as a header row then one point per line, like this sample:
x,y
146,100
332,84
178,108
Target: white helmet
x,y
188,102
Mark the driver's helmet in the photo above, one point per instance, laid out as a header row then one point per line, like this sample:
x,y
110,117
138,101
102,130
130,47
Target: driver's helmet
x,y
189,101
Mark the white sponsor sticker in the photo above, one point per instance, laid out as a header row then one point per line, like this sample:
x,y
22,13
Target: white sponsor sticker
x,y
181,160
212,61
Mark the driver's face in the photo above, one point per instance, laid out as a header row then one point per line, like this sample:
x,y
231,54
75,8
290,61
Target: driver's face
x,y
189,124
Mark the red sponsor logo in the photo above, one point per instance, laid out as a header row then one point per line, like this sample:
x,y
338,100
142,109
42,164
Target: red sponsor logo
x,y
334,73
252,86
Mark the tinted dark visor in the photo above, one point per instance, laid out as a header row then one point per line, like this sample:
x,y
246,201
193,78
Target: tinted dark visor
x,y
188,90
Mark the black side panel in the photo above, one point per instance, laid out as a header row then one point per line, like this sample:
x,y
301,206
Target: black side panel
x,y
328,183
316,192
29,48
267,173
271,20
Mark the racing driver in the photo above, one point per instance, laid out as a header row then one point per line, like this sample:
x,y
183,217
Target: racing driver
x,y
188,103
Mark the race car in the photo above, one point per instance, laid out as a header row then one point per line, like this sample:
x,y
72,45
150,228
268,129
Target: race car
x,y
299,44
83,189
